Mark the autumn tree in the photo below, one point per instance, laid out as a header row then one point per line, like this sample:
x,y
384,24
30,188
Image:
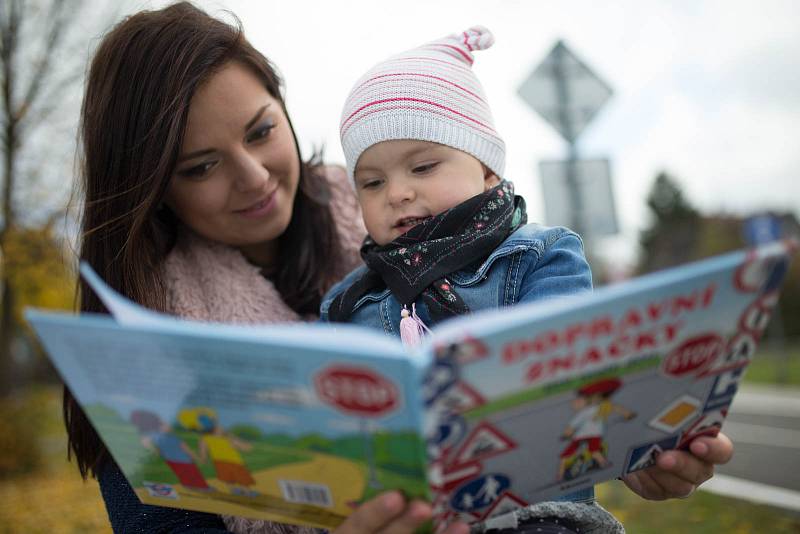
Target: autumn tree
x,y
44,45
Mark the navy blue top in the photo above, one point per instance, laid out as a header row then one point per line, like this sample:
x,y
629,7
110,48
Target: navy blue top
x,y
128,515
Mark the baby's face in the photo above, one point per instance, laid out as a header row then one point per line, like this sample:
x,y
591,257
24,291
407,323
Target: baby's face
x,y
401,183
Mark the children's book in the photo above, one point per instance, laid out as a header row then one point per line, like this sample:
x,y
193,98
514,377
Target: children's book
x,y
300,423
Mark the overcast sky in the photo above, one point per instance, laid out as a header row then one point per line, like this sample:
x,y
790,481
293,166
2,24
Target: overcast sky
x,y
705,90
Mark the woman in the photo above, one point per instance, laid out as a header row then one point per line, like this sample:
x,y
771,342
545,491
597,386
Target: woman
x,y
197,203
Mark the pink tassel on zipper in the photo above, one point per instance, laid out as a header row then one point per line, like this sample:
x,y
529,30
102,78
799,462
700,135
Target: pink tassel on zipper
x,y
411,327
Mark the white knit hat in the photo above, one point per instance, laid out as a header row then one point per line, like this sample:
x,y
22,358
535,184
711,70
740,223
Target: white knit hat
x,y
429,94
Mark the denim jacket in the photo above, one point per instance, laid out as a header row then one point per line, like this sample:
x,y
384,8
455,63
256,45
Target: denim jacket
x,y
534,263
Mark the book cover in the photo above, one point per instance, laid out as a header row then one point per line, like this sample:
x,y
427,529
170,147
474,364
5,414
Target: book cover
x,y
300,423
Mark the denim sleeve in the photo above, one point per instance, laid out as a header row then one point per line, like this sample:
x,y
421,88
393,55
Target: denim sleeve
x,y
128,515
561,269
337,288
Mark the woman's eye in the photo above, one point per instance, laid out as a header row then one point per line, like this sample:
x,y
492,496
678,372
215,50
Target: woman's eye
x,y
427,167
198,171
261,132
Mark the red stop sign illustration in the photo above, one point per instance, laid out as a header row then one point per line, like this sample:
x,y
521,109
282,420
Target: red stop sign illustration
x,y
694,355
357,391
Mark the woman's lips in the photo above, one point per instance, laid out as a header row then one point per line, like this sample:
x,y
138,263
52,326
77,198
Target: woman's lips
x,y
259,209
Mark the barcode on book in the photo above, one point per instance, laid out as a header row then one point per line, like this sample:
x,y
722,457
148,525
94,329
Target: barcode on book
x,y
297,491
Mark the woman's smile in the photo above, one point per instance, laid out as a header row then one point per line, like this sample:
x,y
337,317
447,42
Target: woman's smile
x,y
260,208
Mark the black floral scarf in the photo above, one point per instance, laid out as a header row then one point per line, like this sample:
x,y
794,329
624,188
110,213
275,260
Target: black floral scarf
x,y
418,262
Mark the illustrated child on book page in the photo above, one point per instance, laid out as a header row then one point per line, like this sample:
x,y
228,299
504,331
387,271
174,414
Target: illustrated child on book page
x,y
157,435
222,448
586,430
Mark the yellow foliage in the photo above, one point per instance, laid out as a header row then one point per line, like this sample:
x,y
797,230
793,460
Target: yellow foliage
x,y
55,501
53,498
38,272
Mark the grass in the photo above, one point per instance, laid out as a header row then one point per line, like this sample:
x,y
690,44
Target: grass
x,y
773,364
702,513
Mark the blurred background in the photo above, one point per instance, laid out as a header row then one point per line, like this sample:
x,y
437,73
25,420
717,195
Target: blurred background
x,y
665,131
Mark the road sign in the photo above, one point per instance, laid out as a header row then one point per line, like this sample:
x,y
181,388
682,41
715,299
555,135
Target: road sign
x,y
357,390
592,180
762,229
564,91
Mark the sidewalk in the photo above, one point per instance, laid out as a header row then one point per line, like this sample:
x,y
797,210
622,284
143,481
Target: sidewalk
x,y
768,437
767,399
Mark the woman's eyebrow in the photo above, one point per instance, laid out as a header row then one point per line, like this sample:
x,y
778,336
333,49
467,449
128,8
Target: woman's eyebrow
x,y
203,152
195,154
257,116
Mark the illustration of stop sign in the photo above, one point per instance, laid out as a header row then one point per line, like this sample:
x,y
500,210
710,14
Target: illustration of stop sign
x,y
357,391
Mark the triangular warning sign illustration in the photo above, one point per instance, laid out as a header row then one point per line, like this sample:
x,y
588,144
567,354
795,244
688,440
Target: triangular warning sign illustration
x,y
505,503
445,478
470,350
483,442
647,459
463,397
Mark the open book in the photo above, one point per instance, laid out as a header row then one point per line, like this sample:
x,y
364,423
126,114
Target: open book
x,y
300,423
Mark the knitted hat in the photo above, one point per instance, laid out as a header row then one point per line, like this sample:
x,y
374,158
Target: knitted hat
x,y
429,94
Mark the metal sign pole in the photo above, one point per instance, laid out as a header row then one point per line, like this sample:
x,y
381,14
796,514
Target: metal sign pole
x,y
567,94
563,99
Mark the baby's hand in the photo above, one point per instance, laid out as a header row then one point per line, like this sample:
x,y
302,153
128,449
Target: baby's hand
x,y
678,473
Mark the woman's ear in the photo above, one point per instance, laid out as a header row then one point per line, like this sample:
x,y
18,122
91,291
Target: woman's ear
x,y
490,179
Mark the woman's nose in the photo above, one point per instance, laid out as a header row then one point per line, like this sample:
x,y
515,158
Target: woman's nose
x,y
251,173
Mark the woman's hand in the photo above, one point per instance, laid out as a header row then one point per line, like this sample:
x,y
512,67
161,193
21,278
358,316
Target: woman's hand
x,y
389,513
678,473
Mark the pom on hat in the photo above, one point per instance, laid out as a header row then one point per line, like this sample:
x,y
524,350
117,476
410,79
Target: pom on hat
x,y
427,93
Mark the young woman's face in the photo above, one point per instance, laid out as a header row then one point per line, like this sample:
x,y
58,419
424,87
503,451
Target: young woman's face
x,y
237,174
400,183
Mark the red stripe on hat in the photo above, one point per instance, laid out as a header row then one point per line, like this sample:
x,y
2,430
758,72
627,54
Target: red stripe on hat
x,y
394,74
466,56
466,38
459,64
408,99
415,108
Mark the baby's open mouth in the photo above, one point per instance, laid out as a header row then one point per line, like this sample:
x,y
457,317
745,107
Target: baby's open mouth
x,y
410,221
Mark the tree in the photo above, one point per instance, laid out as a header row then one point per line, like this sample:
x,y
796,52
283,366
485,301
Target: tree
x,y
679,234
41,276
671,238
41,65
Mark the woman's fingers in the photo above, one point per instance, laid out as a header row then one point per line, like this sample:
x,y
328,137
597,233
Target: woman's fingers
x,y
415,514
389,513
374,515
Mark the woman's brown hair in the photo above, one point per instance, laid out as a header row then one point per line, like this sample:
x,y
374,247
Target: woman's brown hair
x,y
135,107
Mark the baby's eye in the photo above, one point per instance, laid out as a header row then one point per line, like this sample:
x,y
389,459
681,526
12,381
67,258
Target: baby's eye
x,y
424,168
198,171
372,183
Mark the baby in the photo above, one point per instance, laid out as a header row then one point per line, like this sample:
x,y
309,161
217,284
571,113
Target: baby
x,y
447,235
